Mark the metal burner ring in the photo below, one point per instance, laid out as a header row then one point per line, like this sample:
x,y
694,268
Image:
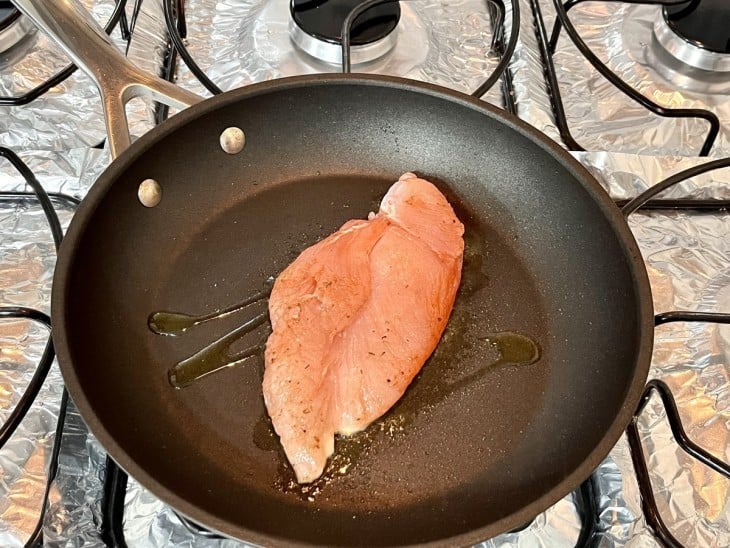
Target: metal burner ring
x,y
15,32
687,52
332,53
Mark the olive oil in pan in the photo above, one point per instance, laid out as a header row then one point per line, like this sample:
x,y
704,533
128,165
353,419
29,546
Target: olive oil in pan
x,y
216,355
513,349
176,323
439,378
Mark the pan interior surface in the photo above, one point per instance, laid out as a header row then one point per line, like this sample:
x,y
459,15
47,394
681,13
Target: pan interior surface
x,y
473,447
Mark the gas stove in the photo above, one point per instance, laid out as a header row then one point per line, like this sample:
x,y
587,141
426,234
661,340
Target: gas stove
x,y
637,91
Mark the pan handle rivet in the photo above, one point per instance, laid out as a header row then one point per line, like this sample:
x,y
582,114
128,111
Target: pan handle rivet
x,y
149,193
232,140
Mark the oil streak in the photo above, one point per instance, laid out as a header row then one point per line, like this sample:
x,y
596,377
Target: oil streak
x,y
513,348
440,378
176,323
216,356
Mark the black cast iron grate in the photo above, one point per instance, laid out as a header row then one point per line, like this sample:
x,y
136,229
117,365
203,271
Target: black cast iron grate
x,y
118,16
115,484
177,29
547,49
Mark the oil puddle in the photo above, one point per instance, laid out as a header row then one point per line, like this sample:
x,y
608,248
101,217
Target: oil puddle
x,y
514,348
440,377
218,354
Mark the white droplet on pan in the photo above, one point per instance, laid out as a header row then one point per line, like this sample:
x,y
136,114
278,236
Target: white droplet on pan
x,y
232,140
149,193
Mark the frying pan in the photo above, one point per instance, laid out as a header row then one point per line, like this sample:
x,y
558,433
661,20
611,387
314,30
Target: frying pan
x,y
472,450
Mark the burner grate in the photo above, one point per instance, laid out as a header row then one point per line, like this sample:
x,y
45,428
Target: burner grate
x,y
175,20
586,497
547,49
44,365
118,17
648,502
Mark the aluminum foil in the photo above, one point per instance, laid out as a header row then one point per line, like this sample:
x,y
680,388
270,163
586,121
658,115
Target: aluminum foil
x,y
52,135
69,115
602,118
530,90
687,256
27,258
688,260
238,42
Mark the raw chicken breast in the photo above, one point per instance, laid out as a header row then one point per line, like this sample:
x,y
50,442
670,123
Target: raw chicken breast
x,y
355,317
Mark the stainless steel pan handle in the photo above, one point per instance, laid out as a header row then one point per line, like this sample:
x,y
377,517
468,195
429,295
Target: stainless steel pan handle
x,y
80,36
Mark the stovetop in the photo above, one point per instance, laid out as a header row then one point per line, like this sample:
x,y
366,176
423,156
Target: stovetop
x,y
56,137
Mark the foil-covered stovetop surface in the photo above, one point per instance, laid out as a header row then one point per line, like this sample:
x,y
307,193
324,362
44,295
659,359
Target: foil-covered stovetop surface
x,y
241,41
600,117
445,43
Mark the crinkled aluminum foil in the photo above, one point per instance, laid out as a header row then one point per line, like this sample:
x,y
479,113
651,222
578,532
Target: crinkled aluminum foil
x,y
689,266
52,135
626,175
69,115
688,261
530,90
602,118
27,258
238,42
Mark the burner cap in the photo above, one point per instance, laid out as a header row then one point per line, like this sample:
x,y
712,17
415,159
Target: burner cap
x,y
323,19
316,26
704,23
8,14
13,26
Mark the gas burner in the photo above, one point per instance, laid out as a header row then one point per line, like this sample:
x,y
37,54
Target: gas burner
x,y
315,27
697,33
13,26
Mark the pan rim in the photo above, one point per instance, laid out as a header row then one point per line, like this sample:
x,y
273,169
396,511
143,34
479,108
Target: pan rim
x,y
77,229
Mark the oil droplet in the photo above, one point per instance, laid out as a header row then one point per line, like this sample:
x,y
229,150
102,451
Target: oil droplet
x,y
514,348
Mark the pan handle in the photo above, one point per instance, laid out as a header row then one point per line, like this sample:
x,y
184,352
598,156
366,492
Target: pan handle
x,y
85,42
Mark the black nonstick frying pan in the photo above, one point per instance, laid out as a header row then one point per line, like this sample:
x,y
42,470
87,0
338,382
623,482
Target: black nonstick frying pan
x,y
480,443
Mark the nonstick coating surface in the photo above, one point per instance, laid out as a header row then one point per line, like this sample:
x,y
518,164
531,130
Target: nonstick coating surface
x,y
548,255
